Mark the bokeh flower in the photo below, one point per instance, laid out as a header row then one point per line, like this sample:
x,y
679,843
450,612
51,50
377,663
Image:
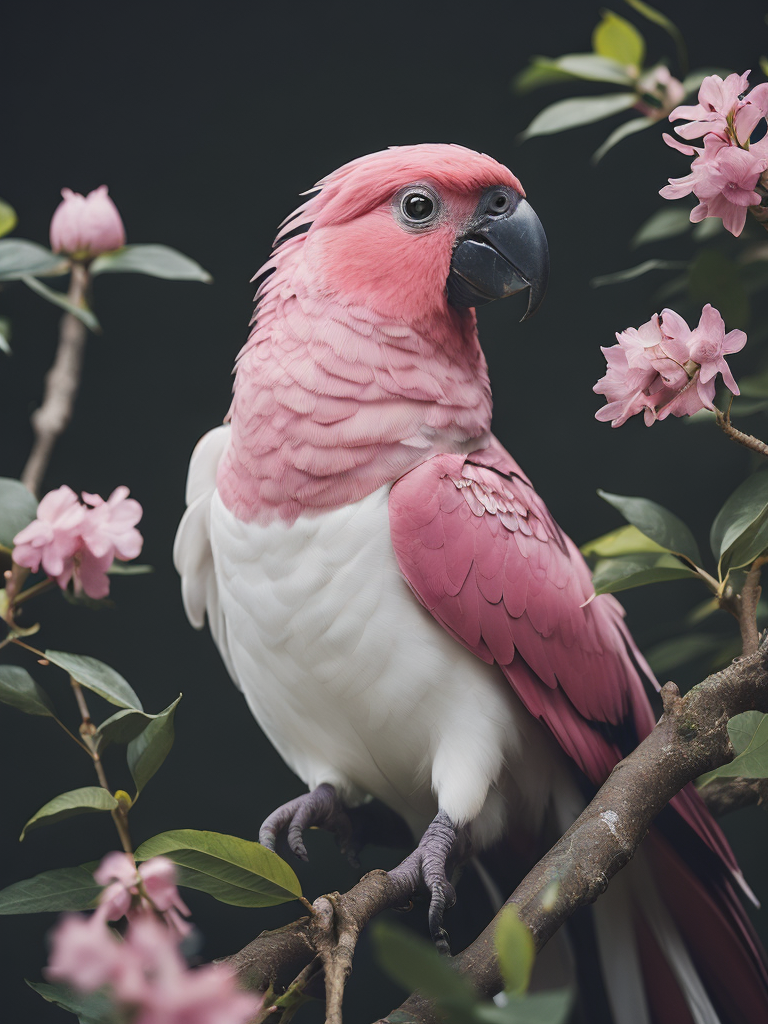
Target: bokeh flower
x,y
84,226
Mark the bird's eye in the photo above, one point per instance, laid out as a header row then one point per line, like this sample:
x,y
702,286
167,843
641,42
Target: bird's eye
x,y
499,203
417,207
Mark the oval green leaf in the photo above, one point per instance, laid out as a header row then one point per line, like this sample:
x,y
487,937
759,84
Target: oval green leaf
x,y
740,530
151,747
97,676
514,945
82,312
618,39
19,257
77,801
577,111
8,219
89,1007
232,870
122,727
638,124
414,963
671,654
155,260
60,890
5,335
20,691
540,1008
656,522
18,507
626,540
752,762
665,223
620,276
614,574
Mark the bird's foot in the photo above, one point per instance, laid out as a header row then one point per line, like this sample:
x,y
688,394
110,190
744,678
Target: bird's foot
x,y
320,809
427,865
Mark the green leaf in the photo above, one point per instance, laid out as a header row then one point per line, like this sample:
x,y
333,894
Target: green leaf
x,y
627,540
5,335
8,218
514,945
618,39
632,272
741,729
707,229
740,530
665,223
414,963
19,689
718,280
541,71
129,569
82,312
579,110
656,522
671,654
122,727
669,26
60,890
755,386
97,676
624,130
18,507
764,65
614,574
589,67
232,870
155,260
19,257
752,762
151,747
77,801
90,1007
540,1008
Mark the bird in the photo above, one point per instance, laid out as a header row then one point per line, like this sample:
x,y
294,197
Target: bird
x,y
403,615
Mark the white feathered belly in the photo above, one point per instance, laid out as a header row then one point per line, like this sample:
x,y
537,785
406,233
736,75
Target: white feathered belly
x,y
357,685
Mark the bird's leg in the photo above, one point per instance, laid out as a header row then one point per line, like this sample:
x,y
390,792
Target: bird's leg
x,y
320,808
428,865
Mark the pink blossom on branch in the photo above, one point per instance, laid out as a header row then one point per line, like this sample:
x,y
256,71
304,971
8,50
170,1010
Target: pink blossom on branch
x,y
131,892
84,226
725,174
79,542
664,368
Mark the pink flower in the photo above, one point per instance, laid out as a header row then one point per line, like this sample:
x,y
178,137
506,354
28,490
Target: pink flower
x,y
78,543
145,975
134,893
84,226
659,83
663,368
717,101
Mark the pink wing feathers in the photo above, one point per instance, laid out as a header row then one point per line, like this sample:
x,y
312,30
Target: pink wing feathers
x,y
482,553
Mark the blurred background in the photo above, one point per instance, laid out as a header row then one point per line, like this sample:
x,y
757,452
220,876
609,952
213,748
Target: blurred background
x,y
206,123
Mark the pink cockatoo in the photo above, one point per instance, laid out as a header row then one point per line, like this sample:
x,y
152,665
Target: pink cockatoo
x,y
403,615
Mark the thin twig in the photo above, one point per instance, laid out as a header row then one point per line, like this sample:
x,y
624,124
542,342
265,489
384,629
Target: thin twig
x,y
753,443
61,385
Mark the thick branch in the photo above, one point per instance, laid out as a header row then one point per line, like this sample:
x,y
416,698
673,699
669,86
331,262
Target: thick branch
x,y
61,385
691,738
724,795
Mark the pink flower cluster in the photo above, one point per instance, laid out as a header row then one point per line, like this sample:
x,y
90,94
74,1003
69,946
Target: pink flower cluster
x,y
725,173
665,368
664,87
79,542
144,973
131,892
84,226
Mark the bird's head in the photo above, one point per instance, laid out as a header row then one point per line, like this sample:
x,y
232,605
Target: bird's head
x,y
418,230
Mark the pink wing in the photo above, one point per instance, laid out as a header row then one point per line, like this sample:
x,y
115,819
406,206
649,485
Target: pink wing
x,y
482,553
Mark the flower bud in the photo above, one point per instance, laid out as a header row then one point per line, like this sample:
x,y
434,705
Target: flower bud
x,y
84,226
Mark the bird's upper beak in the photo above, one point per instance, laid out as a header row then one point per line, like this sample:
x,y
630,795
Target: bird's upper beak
x,y
500,253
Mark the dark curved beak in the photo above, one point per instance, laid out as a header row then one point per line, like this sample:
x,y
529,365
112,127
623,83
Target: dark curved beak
x,y
499,255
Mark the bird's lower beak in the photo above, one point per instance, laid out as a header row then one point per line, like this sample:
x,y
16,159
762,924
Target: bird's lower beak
x,y
498,256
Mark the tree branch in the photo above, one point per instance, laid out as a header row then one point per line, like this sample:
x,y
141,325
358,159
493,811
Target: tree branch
x,y
61,386
691,738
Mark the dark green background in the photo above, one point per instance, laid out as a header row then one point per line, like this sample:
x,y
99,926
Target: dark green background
x,y
206,122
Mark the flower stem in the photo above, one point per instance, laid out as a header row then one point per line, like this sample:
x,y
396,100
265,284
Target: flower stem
x,y
33,591
88,731
753,443
61,385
